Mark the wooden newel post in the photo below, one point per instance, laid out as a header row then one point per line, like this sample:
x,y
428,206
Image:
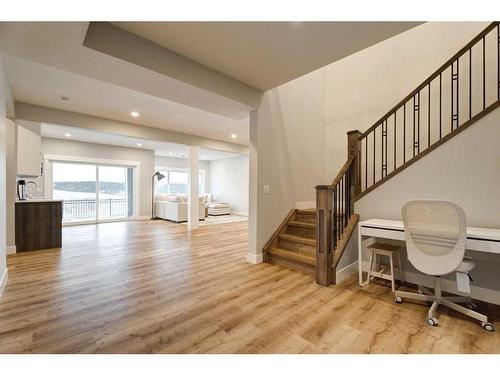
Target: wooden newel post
x,y
354,150
324,235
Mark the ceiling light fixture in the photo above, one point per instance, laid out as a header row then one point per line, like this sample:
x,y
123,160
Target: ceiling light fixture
x,y
67,135
65,98
234,136
139,144
169,154
134,114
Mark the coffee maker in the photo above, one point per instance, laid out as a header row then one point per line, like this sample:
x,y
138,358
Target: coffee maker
x,y
22,190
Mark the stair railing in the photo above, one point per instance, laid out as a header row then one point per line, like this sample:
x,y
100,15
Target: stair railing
x,y
334,208
461,91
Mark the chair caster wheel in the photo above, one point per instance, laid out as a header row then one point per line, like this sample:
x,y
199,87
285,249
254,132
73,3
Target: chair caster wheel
x,y
432,322
472,306
398,300
488,327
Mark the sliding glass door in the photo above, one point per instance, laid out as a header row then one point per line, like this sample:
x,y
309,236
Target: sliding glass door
x,y
93,193
76,184
113,200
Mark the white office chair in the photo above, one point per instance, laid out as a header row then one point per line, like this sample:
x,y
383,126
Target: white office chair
x,y
435,234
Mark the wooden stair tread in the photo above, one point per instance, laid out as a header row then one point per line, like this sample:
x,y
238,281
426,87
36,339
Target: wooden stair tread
x,y
307,211
293,238
302,224
297,256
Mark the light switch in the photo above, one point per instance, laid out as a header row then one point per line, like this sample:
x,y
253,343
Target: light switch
x,y
267,189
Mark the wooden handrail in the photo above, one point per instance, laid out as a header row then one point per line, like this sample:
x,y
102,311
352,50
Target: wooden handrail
x,y
434,75
342,171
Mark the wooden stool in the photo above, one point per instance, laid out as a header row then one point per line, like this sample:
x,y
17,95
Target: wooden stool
x,y
379,249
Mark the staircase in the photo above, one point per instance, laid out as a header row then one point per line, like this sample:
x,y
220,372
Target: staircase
x,y
294,245
462,91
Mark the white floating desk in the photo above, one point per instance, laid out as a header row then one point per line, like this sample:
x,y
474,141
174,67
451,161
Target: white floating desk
x,y
478,239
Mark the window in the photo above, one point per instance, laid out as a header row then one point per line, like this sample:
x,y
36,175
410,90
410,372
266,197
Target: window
x,y
176,181
92,192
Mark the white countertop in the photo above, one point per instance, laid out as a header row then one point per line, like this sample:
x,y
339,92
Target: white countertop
x,y
37,200
491,234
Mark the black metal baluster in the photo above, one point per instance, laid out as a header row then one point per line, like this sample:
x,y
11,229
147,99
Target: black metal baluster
x,y
454,116
385,153
404,132
340,209
484,73
373,156
440,105
418,123
429,116
458,92
335,217
470,83
342,202
366,162
395,140
451,102
383,143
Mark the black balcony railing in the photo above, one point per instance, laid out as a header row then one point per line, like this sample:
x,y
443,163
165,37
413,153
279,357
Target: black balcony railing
x,y
85,209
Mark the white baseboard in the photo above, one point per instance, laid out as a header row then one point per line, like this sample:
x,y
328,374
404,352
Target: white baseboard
x,y
3,281
255,258
347,271
450,286
240,213
146,217
304,205
11,250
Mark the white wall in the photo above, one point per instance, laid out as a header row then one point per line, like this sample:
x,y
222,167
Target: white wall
x,y
464,170
229,182
11,172
302,125
98,151
6,109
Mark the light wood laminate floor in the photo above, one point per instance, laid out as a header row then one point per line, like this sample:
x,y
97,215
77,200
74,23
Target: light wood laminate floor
x,y
153,287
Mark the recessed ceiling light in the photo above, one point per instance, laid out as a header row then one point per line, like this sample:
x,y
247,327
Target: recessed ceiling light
x,y
169,154
234,136
67,135
139,144
65,98
134,114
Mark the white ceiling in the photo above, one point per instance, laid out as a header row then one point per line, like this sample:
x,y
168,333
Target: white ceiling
x,y
43,85
60,45
266,54
169,149
47,60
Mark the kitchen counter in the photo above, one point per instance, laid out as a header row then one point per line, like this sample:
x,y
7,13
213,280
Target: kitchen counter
x,y
38,200
38,224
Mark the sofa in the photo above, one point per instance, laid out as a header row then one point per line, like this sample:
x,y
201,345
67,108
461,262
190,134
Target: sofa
x,y
216,208
174,207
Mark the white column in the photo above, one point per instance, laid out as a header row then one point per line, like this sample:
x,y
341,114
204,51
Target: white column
x,y
254,254
193,200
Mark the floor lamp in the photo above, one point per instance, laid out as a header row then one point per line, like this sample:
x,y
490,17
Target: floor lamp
x,y
160,177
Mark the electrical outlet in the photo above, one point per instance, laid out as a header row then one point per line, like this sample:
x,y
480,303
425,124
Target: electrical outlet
x,y
267,189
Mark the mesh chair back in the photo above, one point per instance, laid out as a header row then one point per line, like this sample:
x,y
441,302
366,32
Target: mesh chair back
x,y
435,233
